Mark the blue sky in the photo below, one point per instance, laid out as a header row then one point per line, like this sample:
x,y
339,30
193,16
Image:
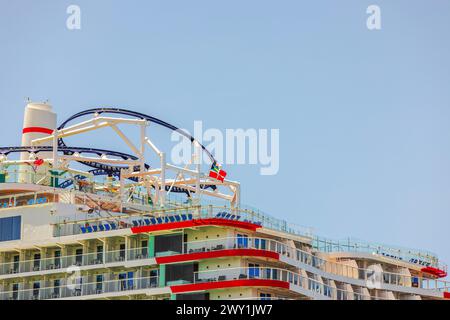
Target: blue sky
x,y
363,115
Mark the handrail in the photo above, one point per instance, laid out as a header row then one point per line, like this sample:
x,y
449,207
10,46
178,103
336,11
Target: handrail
x,y
202,212
47,178
230,243
208,212
321,244
66,261
82,289
423,258
261,298
271,273
322,264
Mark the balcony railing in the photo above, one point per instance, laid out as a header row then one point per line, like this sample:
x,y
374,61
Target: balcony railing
x,y
218,275
127,286
82,289
62,262
65,226
101,190
268,273
271,298
45,177
316,262
72,226
420,257
102,258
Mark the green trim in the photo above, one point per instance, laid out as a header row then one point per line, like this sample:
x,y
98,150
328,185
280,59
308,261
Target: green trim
x,y
54,181
162,275
151,246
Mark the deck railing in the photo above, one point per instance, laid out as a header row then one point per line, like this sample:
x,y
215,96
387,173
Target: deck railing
x,y
79,289
369,275
408,255
63,262
322,290
197,212
101,258
71,225
420,257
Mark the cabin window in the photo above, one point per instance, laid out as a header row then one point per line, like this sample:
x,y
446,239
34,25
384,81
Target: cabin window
x,y
37,262
57,258
15,288
144,248
16,264
56,288
10,228
253,270
99,254
242,241
78,257
99,283
265,296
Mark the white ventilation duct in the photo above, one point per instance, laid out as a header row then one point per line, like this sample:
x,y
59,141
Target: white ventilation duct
x,y
39,121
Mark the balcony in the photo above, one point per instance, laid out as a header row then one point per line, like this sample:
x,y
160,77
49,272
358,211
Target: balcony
x,y
307,258
97,193
111,287
249,276
419,257
294,256
63,262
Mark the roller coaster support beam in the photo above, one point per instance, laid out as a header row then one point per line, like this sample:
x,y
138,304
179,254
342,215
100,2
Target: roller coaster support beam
x,y
142,149
152,145
55,149
162,189
103,160
198,161
126,140
89,125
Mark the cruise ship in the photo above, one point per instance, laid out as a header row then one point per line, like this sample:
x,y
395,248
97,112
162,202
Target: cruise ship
x,y
78,223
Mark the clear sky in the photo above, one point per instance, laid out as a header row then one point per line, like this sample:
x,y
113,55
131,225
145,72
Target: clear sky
x,y
363,115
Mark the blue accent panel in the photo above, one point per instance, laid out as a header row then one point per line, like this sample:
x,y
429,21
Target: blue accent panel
x,y
10,228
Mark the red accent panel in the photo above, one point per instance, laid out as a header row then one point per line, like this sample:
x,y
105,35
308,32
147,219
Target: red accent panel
x,y
229,284
37,130
217,254
434,271
196,223
446,295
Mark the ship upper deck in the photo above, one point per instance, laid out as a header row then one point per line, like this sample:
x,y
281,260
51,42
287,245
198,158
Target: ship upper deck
x,y
111,189
100,204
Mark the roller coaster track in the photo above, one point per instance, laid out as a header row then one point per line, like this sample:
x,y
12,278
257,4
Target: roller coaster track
x,y
136,115
100,168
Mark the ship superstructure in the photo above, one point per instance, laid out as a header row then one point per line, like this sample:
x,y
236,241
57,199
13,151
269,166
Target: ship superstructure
x,y
78,222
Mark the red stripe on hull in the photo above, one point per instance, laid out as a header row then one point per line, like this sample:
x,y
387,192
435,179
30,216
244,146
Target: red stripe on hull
x,y
446,295
37,130
196,223
229,284
217,254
